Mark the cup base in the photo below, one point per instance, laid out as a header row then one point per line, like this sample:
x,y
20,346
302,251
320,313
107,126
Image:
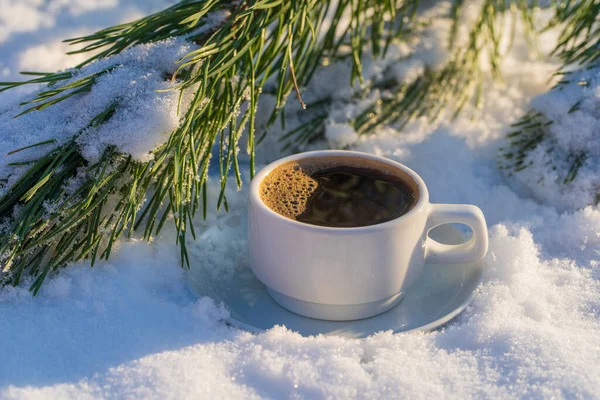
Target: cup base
x,y
335,312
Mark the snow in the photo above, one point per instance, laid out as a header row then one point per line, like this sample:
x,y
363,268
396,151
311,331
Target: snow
x,y
558,150
129,328
340,135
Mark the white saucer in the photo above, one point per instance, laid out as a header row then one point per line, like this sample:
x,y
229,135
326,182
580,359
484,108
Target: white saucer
x,y
440,294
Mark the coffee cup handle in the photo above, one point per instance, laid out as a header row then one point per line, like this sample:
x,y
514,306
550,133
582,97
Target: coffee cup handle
x,y
473,249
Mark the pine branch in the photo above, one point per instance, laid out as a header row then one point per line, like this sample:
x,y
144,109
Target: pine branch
x,y
578,48
451,88
461,80
532,130
579,41
53,224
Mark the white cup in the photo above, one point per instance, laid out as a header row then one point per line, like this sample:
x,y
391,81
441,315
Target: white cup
x,y
353,273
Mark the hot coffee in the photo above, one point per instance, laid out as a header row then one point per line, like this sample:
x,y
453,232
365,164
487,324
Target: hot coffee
x,y
338,192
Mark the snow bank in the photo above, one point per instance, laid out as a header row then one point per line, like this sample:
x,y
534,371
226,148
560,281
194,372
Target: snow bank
x,y
574,110
129,328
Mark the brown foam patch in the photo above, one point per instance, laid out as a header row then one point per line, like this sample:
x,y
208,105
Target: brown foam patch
x,y
287,189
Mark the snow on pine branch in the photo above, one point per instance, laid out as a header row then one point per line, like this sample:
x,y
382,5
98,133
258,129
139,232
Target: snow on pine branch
x,y
144,117
555,150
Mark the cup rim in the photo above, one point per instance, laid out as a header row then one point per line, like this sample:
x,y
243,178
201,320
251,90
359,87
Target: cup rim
x,y
258,178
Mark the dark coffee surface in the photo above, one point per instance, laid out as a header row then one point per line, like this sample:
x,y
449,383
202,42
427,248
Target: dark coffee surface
x,y
338,191
352,197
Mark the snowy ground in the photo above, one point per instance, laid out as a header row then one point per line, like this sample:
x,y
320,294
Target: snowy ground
x,y
130,328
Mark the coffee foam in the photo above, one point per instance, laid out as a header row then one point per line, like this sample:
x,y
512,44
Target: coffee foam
x,y
287,188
